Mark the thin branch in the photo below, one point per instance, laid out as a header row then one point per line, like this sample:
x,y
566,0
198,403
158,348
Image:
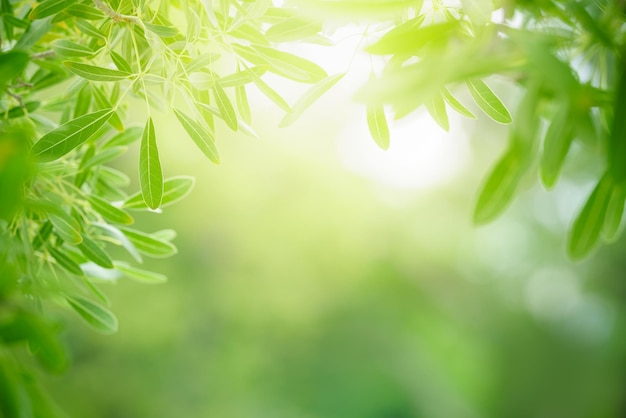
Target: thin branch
x,y
117,17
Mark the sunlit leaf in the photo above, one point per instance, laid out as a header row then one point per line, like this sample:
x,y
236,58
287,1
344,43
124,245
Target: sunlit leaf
x,y
292,29
140,275
241,99
70,135
377,124
437,109
411,37
67,228
308,98
488,102
202,137
95,73
149,244
150,174
49,7
95,253
65,262
555,147
174,190
110,212
456,105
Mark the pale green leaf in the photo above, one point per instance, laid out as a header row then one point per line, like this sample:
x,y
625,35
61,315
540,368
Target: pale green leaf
x,y
140,275
488,102
225,106
308,98
150,174
95,73
149,244
94,314
377,124
456,105
201,135
95,253
174,189
437,109
109,212
70,135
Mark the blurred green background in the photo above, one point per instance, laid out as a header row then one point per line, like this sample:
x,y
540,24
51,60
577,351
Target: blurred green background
x,y
308,284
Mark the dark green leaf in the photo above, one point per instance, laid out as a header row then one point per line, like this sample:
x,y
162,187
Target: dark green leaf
x,y
95,253
66,262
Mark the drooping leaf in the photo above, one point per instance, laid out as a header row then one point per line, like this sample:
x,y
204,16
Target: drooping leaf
x,y
377,124
292,29
110,212
410,37
308,98
70,49
99,317
202,136
437,109
120,62
12,64
140,275
555,147
588,225
95,253
149,244
174,189
499,188
241,99
150,174
67,228
70,135
488,102
614,213
65,261
225,106
49,7
95,73
456,105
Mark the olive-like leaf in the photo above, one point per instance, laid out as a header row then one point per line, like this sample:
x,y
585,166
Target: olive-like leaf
x,y
174,189
95,253
110,212
49,8
225,106
377,124
95,73
70,135
437,109
308,98
456,105
65,261
555,147
488,102
150,173
149,244
99,317
67,227
588,225
614,214
201,135
140,275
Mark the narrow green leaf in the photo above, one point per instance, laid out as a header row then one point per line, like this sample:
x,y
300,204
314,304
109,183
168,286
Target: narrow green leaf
x,y
66,227
488,102
70,135
614,214
94,314
130,135
410,37
437,109
150,174
225,106
94,73
201,62
292,29
174,189
240,78
456,105
12,64
377,124
161,30
110,212
89,29
308,98
291,66
202,136
141,275
49,7
120,62
65,262
95,253
19,111
586,230
149,244
119,239
69,49
241,99
269,92
499,188
555,147
85,11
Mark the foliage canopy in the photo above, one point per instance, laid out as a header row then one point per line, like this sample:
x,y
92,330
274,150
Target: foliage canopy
x,y
70,70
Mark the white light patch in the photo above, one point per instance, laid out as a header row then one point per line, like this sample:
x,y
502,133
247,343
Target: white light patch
x,y
421,155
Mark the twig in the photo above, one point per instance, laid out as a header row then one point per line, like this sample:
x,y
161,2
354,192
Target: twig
x,y
117,17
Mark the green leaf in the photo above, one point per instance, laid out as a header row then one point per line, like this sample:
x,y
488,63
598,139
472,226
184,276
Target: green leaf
x,y
240,78
95,253
555,147
19,111
202,136
149,244
585,232
141,275
150,174
85,11
292,29
130,135
225,106
94,73
95,315
241,99
12,64
499,188
269,92
65,262
120,62
70,135
456,105
410,37
201,62
174,189
308,98
377,124
110,212
49,7
488,102
162,31
119,238
284,64
103,102
614,214
69,49
89,29
66,227
437,109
